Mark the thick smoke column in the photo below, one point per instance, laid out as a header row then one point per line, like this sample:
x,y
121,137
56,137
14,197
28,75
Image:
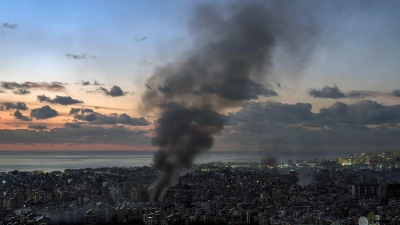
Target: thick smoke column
x,y
233,55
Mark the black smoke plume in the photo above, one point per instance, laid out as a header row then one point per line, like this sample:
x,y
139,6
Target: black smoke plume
x,y
232,58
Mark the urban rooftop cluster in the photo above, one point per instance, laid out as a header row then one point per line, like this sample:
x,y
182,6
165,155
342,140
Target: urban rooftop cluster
x,y
319,191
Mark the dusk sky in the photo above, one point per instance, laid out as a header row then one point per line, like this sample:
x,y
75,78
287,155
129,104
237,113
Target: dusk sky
x,y
80,74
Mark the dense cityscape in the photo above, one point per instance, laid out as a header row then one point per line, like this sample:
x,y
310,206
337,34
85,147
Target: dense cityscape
x,y
319,191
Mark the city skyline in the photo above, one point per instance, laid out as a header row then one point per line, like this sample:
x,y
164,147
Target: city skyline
x,y
73,76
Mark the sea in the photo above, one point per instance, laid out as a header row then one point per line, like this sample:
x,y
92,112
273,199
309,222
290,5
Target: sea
x,y
60,160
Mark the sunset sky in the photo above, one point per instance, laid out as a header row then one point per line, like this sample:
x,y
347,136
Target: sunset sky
x,y
73,74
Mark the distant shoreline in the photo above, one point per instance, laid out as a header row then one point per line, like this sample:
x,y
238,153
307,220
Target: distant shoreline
x,y
60,160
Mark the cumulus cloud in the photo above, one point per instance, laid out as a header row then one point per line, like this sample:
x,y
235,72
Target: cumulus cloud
x,y
74,110
365,112
38,127
115,91
396,93
62,100
13,105
18,115
44,112
88,117
81,110
297,127
326,92
53,86
98,118
21,92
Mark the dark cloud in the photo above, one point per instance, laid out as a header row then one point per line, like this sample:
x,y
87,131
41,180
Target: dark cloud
x,y
262,125
81,110
140,38
115,91
86,110
43,98
62,100
38,127
74,125
18,115
21,92
396,93
345,137
83,135
12,105
234,54
43,113
326,92
10,25
335,93
126,119
98,118
53,86
273,112
364,112
74,110
360,94
12,85
86,117
87,83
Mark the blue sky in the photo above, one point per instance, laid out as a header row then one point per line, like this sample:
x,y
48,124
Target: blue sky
x,y
355,36
358,50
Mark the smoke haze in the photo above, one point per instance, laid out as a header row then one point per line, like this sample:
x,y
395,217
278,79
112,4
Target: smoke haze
x,y
229,65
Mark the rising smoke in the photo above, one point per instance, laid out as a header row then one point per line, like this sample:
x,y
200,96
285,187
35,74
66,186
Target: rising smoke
x,y
233,55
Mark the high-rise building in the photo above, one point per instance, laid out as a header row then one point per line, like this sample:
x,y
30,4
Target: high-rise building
x,y
2,214
90,218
